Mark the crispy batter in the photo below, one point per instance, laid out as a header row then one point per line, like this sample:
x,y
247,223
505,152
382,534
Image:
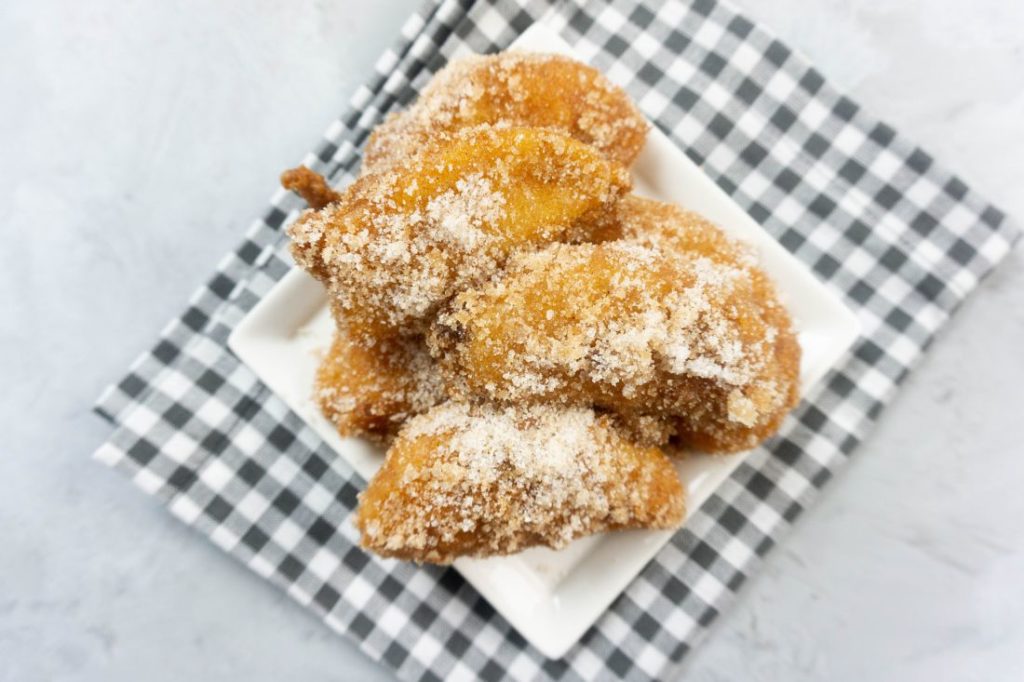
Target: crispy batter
x,y
400,243
514,89
310,186
632,328
667,226
370,389
708,427
482,481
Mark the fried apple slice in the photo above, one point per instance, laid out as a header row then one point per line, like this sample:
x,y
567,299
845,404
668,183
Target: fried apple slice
x,y
631,328
513,89
397,245
370,388
483,481
669,227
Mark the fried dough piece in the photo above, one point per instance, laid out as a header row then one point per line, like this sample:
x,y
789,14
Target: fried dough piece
x,y
771,395
669,227
309,185
631,328
398,244
371,389
483,481
514,89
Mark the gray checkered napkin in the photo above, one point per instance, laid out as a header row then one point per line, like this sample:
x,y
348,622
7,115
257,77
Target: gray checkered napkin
x,y
900,238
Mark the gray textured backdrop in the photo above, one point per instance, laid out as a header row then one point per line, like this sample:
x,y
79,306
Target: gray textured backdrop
x,y
138,139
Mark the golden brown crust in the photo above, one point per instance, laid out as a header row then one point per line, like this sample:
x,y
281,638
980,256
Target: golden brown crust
x,y
513,89
400,243
310,186
483,481
631,328
667,226
710,430
371,388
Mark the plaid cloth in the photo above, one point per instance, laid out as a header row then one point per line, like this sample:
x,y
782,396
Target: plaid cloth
x,y
902,239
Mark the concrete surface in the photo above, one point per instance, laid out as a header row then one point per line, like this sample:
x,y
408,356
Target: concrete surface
x,y
139,139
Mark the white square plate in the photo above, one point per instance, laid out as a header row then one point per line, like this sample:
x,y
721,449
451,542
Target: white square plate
x,y
551,597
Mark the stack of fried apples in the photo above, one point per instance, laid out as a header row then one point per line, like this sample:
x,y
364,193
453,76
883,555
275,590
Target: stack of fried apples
x,y
532,342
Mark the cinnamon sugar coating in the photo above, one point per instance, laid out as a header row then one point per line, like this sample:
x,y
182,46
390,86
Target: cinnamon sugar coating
x,y
466,480
630,327
370,388
513,89
669,227
398,244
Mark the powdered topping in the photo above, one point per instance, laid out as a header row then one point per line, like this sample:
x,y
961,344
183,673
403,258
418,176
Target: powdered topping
x,y
624,325
493,480
371,388
670,228
398,244
514,89
461,214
